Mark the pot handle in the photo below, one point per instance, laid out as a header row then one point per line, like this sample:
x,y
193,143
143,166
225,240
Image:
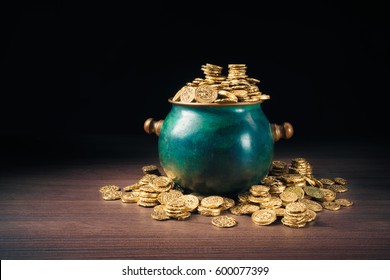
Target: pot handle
x,y
284,130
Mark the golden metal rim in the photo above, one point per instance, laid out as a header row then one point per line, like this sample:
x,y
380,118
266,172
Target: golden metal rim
x,y
214,104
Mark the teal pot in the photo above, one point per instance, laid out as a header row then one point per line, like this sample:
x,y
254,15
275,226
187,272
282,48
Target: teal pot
x,y
216,149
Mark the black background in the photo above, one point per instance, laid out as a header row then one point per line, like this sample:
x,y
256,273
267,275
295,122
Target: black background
x,y
75,73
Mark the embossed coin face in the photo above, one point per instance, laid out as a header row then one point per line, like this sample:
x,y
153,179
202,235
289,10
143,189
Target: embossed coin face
x,y
224,221
159,213
212,201
264,217
109,188
186,94
205,94
191,202
112,195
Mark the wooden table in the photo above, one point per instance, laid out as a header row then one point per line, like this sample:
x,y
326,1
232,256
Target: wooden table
x,y
52,209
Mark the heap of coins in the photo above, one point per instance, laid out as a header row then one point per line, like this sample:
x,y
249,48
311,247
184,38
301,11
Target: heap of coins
x,y
217,88
289,193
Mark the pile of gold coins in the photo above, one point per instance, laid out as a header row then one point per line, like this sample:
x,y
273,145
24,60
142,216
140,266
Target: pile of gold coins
x,y
217,88
289,192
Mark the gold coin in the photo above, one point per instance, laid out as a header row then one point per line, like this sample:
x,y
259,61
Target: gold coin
x,y
205,94
112,195
295,207
162,184
288,197
288,223
297,190
314,192
227,203
159,213
310,215
331,205
191,202
180,216
341,181
273,203
329,195
338,188
223,221
326,181
212,201
109,188
263,217
132,187
204,211
130,197
146,204
150,169
165,197
186,94
259,189
312,205
344,202
244,197
147,179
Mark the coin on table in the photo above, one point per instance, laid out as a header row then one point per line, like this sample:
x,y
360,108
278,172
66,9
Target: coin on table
x,y
312,205
326,181
331,205
264,217
341,181
150,169
109,188
159,213
329,195
205,94
212,201
314,192
191,202
130,197
338,188
344,202
310,215
224,221
112,195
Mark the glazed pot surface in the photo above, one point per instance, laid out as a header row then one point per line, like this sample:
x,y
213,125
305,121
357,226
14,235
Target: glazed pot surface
x,y
219,150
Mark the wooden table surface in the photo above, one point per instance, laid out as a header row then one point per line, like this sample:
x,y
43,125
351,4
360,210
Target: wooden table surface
x,y
53,210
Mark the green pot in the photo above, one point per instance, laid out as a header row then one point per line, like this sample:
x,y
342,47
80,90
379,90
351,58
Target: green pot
x,y
216,149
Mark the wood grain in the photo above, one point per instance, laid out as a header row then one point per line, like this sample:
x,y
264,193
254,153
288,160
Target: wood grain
x,y
55,211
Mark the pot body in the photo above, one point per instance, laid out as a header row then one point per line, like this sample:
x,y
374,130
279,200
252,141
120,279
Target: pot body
x,y
220,150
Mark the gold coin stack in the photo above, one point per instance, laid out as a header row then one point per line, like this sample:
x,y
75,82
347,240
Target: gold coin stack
x,y
276,186
296,215
259,194
147,196
211,205
300,166
177,209
219,89
278,168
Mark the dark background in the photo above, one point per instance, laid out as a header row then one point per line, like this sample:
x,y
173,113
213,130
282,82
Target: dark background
x,y
80,78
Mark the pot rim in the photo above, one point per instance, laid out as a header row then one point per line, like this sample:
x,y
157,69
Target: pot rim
x,y
214,104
